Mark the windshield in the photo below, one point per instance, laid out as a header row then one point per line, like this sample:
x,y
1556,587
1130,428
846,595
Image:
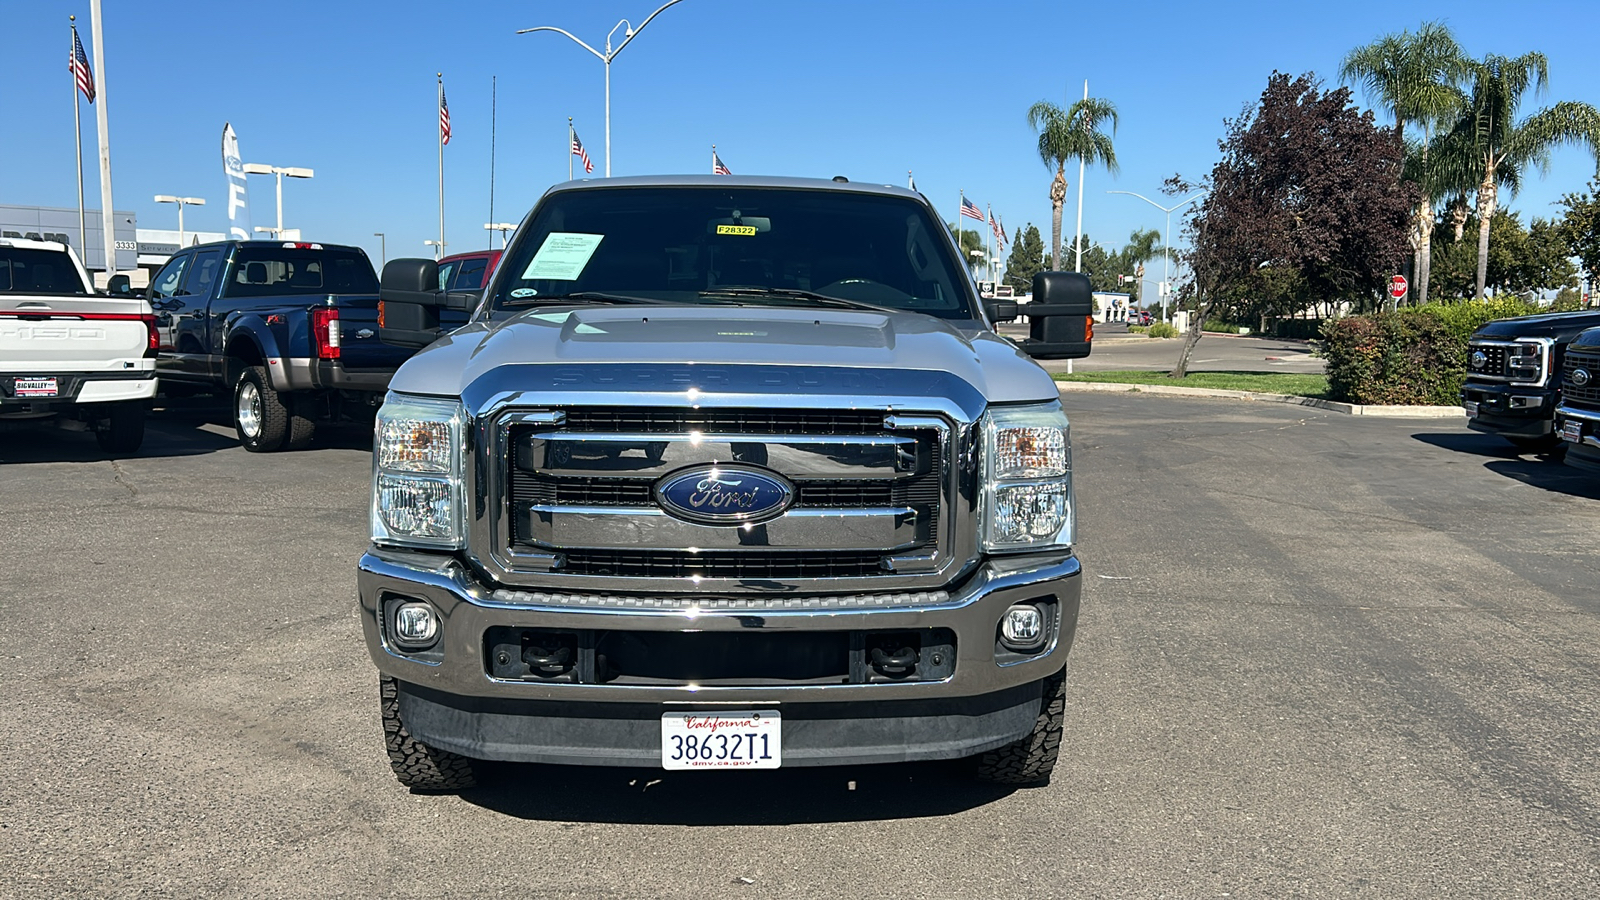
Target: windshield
x,y
276,271
24,270
747,245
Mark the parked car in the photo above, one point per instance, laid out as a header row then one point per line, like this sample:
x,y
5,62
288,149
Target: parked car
x,y
1577,420
724,473
1141,317
1512,386
71,354
287,329
467,271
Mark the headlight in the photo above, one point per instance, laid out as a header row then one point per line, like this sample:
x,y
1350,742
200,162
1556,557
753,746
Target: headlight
x,y
1525,360
1027,479
417,463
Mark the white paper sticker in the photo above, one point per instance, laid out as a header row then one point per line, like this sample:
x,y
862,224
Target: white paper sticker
x,y
563,256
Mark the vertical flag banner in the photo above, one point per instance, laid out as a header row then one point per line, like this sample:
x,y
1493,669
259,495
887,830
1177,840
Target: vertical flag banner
x,y
80,67
717,166
238,193
444,116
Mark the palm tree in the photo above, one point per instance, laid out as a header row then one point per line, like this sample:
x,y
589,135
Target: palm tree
x,y
1416,76
1071,134
1494,149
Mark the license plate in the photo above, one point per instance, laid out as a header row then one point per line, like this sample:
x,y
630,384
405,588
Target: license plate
x,y
34,387
1472,408
1572,430
723,740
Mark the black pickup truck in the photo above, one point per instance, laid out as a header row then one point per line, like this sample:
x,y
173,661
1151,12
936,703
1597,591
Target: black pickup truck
x,y
1513,380
1578,416
288,329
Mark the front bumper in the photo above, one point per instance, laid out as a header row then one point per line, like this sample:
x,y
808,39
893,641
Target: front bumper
x,y
449,700
1509,410
1583,453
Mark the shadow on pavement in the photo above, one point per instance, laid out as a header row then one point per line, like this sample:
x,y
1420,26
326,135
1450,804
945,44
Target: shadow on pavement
x,y
1543,470
778,797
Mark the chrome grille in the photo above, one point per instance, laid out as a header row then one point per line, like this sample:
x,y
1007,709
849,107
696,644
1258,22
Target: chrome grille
x,y
580,490
1494,365
1581,359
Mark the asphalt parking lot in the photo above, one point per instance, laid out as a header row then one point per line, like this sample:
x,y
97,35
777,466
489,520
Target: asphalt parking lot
x,y
1320,656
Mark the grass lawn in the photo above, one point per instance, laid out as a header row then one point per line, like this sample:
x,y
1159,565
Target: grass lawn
x,y
1294,384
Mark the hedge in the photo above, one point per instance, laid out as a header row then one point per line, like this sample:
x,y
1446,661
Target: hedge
x,y
1414,357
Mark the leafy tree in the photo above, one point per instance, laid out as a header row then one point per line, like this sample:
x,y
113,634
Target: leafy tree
x,y
1067,135
1528,261
1027,259
1415,76
968,240
1581,227
1489,144
1308,188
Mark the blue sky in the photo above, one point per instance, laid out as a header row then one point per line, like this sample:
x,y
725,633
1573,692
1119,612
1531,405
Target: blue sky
x,y
822,87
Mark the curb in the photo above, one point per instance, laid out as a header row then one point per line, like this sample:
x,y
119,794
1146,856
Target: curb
x,y
1349,409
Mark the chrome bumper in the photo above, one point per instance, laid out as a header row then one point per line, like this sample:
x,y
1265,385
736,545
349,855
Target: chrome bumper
x,y
467,609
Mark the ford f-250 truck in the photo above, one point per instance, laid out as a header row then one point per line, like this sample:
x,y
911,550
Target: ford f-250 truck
x,y
1578,416
288,329
1513,379
69,354
723,473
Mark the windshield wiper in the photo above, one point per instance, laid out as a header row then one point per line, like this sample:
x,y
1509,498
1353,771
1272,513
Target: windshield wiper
x,y
581,297
766,293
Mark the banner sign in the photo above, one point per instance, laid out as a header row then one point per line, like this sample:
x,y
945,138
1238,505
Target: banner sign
x,y
238,194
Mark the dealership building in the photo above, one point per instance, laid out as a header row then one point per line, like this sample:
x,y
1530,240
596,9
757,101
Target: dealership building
x,y
139,251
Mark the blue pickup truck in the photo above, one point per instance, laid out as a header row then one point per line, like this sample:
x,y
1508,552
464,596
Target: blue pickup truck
x,y
287,329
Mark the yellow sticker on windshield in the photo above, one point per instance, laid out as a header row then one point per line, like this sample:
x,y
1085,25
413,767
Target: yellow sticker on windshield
x,y
744,230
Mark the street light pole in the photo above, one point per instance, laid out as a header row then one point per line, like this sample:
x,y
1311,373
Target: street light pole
x,y
192,201
606,58
503,227
279,171
1166,242
383,247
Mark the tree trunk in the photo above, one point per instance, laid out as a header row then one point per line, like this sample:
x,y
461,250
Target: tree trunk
x,y
1190,338
1424,250
1486,202
1058,200
1458,218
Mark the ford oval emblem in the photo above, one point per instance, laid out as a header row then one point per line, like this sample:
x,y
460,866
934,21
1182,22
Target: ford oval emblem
x,y
724,495
1580,377
1478,359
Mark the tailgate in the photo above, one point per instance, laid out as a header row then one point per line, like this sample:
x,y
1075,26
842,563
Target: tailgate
x,y
359,347
39,335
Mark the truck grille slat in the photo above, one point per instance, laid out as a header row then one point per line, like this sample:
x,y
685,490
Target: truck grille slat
x,y
735,421
1589,393
683,564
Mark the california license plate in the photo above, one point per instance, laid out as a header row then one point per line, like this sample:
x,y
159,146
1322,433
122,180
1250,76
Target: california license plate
x,y
1572,430
1472,408
750,739
34,387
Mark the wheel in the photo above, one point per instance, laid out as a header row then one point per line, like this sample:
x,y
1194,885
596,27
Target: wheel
x,y
122,430
302,426
1030,759
259,414
417,765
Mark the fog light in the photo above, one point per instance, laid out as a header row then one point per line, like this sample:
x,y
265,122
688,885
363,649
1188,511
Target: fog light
x,y
415,623
1022,627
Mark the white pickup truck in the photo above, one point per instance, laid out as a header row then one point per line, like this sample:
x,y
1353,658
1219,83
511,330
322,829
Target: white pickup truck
x,y
68,353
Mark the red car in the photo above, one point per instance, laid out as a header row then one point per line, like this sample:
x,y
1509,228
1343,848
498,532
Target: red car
x,y
467,271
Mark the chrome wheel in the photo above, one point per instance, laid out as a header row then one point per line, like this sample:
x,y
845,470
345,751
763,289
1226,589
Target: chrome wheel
x,y
248,409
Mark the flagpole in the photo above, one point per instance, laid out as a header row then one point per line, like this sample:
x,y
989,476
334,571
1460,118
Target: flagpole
x,y
713,159
570,133
77,143
107,218
988,245
1077,241
439,122
494,86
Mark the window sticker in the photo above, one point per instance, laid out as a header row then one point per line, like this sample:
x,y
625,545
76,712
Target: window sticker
x,y
742,230
563,256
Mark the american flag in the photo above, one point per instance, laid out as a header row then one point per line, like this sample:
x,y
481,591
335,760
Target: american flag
x,y
80,67
717,167
579,152
971,210
999,233
444,117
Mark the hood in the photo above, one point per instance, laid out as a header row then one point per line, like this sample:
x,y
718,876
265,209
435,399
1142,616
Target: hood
x,y
760,338
1562,327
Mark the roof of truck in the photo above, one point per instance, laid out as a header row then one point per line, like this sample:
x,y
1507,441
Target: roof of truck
x,y
763,181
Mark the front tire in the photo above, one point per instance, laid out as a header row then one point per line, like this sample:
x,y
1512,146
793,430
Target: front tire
x,y
122,430
259,414
417,765
1031,759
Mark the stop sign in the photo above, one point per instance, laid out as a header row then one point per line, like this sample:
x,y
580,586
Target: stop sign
x,y
1397,286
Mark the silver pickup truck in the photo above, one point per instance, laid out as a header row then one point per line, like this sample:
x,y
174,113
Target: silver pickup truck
x,y
723,473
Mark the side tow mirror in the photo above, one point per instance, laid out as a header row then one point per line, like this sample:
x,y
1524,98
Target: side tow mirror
x,y
1001,310
1060,316
119,286
409,301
